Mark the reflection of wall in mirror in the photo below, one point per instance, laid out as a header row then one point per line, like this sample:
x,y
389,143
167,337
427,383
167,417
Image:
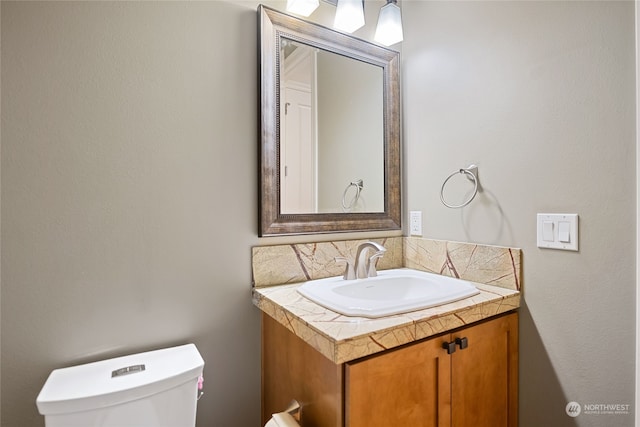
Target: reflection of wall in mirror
x,y
297,136
351,138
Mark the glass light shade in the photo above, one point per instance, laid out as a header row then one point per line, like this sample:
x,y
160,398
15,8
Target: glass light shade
x,y
389,29
302,7
349,15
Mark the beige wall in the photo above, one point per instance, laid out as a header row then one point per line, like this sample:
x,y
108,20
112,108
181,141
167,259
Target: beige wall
x,y
637,399
129,184
129,181
541,96
350,139
129,189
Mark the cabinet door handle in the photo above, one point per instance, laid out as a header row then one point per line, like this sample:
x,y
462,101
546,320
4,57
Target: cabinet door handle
x,y
462,342
449,346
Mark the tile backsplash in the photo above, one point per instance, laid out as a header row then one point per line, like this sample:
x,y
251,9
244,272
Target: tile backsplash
x,y
277,265
493,265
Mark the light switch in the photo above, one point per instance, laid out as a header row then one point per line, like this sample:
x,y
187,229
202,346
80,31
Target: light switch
x,y
564,228
547,231
558,231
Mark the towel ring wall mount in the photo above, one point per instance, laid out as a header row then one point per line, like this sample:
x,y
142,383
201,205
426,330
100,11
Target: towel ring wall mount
x,y
471,173
358,184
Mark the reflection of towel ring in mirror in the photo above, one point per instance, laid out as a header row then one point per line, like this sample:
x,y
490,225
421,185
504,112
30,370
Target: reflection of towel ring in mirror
x,y
471,172
358,184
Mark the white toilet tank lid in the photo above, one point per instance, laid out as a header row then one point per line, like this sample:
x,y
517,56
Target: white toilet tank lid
x,y
119,380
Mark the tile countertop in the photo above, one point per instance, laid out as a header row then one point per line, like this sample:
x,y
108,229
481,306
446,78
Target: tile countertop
x,y
344,338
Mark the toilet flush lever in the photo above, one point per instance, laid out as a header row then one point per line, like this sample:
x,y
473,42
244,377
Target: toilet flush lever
x,y
127,370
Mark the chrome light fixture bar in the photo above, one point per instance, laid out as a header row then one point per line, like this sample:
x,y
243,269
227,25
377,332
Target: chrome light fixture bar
x,y
350,17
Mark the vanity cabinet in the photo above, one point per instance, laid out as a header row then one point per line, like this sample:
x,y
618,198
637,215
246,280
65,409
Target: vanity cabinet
x,y
422,385
465,378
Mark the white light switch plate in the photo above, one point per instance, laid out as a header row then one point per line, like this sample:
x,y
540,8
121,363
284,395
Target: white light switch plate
x,y
558,231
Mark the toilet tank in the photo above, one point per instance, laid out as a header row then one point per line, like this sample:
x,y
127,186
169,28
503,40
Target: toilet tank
x,y
153,389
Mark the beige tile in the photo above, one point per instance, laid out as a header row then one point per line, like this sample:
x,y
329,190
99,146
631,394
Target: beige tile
x,y
276,265
343,338
495,265
282,264
425,255
495,271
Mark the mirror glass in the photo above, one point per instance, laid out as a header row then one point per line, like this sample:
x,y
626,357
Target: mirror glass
x,y
330,130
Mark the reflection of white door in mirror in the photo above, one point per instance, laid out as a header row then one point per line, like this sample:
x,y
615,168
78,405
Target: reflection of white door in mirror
x,y
298,133
331,131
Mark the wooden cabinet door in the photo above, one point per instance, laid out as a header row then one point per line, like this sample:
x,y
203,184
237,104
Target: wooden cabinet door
x,y
405,387
484,375
292,369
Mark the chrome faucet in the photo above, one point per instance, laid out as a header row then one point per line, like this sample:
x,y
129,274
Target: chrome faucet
x,y
349,271
366,266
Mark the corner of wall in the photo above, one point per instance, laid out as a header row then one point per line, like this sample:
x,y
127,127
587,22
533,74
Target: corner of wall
x,y
637,397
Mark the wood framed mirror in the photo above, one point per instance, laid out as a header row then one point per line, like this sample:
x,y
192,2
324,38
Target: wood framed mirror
x,y
329,130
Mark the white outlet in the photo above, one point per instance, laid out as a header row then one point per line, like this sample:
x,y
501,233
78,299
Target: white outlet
x,y
415,223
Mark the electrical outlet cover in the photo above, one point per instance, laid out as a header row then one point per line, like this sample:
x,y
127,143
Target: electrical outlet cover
x,y
415,223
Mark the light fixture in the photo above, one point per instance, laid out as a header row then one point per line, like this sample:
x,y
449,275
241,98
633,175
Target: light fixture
x,y
302,7
389,29
349,15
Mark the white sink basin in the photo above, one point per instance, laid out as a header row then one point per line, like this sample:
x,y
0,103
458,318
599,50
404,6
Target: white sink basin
x,y
391,292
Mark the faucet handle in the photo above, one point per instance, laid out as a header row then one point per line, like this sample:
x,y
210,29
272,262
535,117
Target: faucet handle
x,y
349,271
363,264
372,264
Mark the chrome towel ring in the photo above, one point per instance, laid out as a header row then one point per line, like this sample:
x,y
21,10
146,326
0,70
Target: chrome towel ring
x,y
358,184
471,172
